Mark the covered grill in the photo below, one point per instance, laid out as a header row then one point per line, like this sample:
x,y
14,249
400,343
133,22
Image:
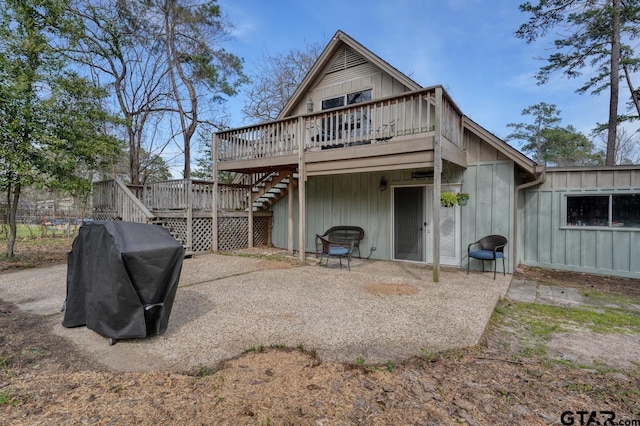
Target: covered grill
x,y
122,279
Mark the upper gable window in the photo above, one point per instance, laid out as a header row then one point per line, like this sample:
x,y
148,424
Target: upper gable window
x,y
348,99
357,97
333,103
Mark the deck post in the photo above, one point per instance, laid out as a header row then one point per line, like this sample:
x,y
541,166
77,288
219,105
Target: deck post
x,y
214,196
302,180
290,215
189,188
250,212
437,181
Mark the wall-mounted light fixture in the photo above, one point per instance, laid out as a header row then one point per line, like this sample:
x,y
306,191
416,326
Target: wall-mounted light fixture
x,y
310,105
383,184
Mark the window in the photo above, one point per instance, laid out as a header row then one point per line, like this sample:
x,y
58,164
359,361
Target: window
x,y
613,210
333,103
349,99
357,97
626,210
341,125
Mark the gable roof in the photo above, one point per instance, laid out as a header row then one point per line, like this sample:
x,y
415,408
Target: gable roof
x,y
339,41
357,55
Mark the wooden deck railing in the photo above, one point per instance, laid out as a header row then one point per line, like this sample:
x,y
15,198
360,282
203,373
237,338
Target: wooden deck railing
x,y
113,196
377,121
233,197
174,195
140,204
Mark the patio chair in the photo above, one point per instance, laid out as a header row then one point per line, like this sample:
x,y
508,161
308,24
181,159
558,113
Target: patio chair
x,y
491,248
329,248
344,236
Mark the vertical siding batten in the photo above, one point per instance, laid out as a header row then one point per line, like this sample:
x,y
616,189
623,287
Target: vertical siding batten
x,y
611,251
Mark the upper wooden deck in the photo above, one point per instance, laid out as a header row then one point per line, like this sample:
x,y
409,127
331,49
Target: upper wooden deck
x,y
390,133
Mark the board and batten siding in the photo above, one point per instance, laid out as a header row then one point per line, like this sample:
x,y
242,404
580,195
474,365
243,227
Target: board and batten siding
x,y
352,79
349,199
355,199
547,242
490,207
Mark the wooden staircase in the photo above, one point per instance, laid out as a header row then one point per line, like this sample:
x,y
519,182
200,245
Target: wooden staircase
x,y
160,222
271,189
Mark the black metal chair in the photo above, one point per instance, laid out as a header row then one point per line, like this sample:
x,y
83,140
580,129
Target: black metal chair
x,y
491,248
330,248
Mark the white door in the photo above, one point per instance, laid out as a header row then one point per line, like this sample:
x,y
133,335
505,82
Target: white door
x,y
449,232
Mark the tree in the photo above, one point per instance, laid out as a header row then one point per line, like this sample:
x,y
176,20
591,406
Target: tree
x,y
166,65
276,79
118,51
626,150
548,142
189,37
565,146
50,117
545,116
596,30
204,168
153,168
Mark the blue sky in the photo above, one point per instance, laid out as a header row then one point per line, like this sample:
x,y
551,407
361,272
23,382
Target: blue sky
x,y
468,46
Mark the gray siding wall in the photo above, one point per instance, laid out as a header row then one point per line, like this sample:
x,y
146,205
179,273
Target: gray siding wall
x,y
546,243
490,207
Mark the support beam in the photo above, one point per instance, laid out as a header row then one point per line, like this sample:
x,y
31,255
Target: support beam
x,y
302,184
437,181
189,184
214,196
290,214
250,225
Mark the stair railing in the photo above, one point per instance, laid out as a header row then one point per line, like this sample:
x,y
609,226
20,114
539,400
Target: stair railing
x,y
130,208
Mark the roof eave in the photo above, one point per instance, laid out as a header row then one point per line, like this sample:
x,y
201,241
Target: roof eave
x,y
510,152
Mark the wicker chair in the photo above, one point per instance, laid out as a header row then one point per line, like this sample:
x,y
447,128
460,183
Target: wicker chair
x,y
343,235
330,248
491,248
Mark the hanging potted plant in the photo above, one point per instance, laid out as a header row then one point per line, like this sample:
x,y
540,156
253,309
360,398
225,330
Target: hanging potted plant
x,y
462,197
448,199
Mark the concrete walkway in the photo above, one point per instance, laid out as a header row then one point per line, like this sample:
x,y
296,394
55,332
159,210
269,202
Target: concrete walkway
x,y
532,292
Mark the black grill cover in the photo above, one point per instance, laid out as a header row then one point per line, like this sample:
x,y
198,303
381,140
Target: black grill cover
x,y
122,279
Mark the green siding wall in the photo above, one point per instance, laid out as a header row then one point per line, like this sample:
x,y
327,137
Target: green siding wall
x,y
490,207
352,199
546,243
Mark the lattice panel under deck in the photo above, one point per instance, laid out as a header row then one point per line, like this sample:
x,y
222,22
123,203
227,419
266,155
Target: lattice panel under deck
x,y
178,228
232,233
261,231
105,215
201,234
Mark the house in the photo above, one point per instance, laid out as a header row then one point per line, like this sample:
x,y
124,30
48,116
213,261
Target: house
x,y
584,219
359,143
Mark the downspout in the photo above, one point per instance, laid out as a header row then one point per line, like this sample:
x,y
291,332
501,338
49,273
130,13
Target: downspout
x,y
538,181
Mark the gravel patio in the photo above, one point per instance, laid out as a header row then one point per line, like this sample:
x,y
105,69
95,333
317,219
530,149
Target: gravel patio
x,y
227,304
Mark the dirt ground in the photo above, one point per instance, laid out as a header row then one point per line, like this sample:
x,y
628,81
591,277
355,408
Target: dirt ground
x,y
45,380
